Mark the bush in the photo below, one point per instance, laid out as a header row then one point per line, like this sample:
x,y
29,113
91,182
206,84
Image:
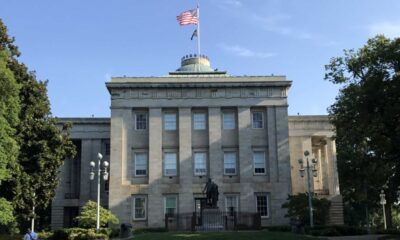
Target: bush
x,y
297,206
10,237
87,217
281,228
59,235
45,235
336,230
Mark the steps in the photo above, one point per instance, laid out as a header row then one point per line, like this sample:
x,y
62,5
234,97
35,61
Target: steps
x,y
336,210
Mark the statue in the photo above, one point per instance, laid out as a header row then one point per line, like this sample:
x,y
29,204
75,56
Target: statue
x,y
211,190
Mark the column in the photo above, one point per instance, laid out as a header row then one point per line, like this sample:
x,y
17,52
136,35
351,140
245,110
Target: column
x,y
272,149
216,156
154,198
186,202
334,178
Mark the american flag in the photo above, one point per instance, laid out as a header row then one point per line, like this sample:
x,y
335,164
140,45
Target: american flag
x,y
188,17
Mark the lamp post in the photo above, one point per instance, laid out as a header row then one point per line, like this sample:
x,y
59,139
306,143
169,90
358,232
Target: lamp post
x,y
309,167
383,202
105,177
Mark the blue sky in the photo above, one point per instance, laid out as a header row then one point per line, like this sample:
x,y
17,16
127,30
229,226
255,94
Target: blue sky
x,y
79,45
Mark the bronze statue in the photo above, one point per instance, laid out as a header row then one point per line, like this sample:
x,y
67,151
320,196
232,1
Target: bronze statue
x,y
211,190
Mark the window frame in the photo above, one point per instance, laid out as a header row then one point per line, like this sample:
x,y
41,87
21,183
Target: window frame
x,y
266,195
237,202
235,162
175,121
262,119
194,121
146,121
226,113
254,162
165,164
134,198
135,164
176,204
205,163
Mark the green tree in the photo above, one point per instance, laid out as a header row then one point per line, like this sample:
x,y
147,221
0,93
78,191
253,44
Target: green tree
x,y
297,206
43,145
87,217
9,109
366,115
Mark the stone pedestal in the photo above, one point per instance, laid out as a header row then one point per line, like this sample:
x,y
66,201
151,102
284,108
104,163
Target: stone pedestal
x,y
212,220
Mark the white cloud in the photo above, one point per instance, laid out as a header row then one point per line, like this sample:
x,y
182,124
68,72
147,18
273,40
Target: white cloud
x,y
234,3
389,29
245,52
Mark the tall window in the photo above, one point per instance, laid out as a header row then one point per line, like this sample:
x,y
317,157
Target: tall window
x,y
262,204
140,164
169,121
170,205
230,163
199,121
228,120
257,119
141,121
200,163
170,164
259,162
232,203
139,208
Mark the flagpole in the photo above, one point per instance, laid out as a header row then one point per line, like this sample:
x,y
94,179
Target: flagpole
x,y
198,30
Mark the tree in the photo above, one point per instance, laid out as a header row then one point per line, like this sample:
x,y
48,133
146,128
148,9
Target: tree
x,y
43,145
366,116
87,217
9,109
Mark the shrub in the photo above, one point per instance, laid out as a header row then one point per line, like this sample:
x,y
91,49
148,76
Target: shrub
x,y
10,237
336,230
145,230
59,235
281,228
297,206
45,235
87,217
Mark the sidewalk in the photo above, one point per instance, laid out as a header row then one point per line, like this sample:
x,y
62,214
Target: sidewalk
x,y
359,237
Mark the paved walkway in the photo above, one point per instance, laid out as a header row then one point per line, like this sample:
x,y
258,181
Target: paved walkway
x,y
360,237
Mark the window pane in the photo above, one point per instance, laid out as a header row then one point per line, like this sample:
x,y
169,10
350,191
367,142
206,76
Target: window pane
x,y
140,164
170,164
170,121
139,208
259,162
231,203
200,163
230,163
141,121
257,119
229,120
262,205
199,121
170,205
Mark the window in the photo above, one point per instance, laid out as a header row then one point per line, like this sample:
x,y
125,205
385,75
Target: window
x,y
259,162
200,165
170,164
229,163
170,205
262,205
140,164
141,121
199,121
232,203
170,121
257,119
228,120
139,208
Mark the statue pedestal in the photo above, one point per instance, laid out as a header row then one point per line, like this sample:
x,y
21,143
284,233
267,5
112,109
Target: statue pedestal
x,y
212,220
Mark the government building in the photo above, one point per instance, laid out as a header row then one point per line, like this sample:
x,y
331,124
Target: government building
x,y
168,135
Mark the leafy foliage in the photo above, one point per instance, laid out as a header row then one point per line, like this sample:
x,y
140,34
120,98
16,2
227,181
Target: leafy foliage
x,y
297,206
30,179
87,217
366,116
6,210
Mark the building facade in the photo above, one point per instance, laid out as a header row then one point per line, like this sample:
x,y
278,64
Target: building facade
x,y
168,135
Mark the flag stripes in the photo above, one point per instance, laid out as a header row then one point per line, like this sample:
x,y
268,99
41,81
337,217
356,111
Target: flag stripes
x,y
188,17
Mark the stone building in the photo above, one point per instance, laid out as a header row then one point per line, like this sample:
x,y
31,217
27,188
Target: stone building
x,y
168,135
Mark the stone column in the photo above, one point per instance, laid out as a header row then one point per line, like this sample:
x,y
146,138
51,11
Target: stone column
x,y
216,156
245,160
186,202
154,199
333,168
272,149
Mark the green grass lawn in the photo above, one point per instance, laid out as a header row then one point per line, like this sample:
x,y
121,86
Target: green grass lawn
x,y
245,235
